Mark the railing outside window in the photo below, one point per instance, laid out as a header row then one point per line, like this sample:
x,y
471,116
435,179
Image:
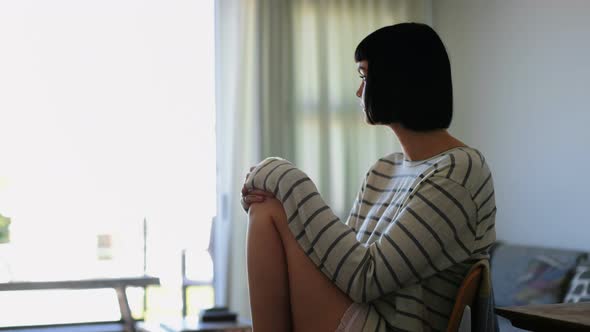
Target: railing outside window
x,y
106,120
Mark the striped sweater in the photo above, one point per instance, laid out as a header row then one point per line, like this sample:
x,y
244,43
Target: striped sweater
x,y
414,231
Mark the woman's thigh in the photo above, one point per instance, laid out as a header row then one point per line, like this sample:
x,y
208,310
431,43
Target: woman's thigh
x,y
316,303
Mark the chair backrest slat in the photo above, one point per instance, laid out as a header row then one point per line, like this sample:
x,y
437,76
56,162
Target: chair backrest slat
x,y
465,297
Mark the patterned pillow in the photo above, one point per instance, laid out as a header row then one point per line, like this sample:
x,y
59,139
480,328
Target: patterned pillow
x,y
579,290
543,282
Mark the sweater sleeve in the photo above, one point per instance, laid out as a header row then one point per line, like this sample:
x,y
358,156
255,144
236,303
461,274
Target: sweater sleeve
x,y
354,218
429,235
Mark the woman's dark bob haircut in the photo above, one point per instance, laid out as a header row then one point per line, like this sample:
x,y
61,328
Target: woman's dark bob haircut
x,y
408,79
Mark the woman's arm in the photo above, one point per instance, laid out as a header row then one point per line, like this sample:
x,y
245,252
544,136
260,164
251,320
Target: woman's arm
x,y
431,234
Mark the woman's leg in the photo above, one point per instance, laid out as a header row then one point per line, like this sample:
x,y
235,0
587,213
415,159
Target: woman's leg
x,y
267,274
314,302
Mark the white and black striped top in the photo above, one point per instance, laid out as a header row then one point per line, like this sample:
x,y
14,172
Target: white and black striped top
x,y
413,233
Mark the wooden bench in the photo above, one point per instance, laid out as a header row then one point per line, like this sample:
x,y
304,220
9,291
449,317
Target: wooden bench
x,y
118,284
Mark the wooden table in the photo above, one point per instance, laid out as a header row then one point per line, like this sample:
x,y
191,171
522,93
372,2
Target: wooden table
x,y
118,284
193,324
549,317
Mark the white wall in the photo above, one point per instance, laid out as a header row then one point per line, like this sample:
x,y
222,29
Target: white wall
x,y
521,75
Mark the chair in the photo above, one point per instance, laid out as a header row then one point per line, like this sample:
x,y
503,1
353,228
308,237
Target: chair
x,y
465,297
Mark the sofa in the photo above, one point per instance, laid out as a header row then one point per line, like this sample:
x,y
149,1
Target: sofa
x,y
531,275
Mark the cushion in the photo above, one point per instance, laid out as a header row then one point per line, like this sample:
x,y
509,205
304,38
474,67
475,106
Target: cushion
x,y
579,289
543,282
511,262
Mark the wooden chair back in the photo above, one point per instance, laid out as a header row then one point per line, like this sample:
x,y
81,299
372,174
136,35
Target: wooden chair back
x,y
465,297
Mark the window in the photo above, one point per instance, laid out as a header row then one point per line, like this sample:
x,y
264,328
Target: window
x,y
106,121
334,145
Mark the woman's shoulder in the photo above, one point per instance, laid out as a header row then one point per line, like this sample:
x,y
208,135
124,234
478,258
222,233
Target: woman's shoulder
x,y
388,164
466,166
392,159
462,155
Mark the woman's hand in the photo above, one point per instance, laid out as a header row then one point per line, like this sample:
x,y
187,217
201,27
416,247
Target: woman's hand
x,y
251,196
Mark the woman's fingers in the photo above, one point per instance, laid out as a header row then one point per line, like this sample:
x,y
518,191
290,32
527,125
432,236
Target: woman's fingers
x,y
260,193
254,199
254,195
256,192
248,200
245,191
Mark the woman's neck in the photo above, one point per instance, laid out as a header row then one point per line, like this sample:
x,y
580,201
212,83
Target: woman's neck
x,y
423,145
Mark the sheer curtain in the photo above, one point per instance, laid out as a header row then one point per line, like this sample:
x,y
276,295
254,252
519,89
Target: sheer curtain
x,y
286,80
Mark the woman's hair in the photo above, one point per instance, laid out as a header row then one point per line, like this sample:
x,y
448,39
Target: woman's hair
x,y
408,79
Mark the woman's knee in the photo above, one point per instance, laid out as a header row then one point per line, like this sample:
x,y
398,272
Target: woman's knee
x,y
269,209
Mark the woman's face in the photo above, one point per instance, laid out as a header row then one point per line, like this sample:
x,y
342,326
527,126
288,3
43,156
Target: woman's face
x,y
362,68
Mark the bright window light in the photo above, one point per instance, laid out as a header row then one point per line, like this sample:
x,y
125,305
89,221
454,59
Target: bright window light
x,y
106,120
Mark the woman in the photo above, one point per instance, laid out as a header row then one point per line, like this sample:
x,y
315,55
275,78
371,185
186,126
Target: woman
x,y
421,219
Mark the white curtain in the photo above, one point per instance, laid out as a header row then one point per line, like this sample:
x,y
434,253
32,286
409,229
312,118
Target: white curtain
x,y
286,80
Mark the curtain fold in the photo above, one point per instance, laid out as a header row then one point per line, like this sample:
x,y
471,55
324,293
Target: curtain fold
x,y
286,80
